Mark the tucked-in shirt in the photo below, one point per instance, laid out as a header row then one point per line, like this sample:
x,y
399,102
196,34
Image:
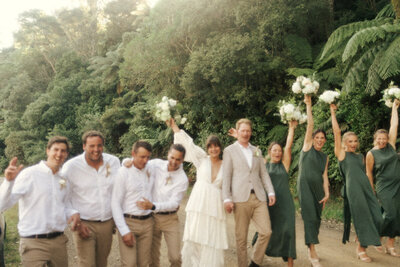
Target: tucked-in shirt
x,y
91,189
130,185
42,198
169,187
248,154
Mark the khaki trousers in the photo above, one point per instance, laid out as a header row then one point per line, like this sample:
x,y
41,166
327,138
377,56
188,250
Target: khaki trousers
x,y
257,211
39,252
169,226
139,254
93,251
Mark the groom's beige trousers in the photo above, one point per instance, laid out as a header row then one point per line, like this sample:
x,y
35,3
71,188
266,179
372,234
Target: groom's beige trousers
x,y
255,210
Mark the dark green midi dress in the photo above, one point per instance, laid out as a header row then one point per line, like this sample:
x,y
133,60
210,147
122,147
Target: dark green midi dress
x,y
361,204
283,224
282,214
387,186
311,190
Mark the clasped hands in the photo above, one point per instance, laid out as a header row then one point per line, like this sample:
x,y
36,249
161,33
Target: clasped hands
x,y
230,206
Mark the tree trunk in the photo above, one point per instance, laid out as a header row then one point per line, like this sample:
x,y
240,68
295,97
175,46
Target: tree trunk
x,y
396,8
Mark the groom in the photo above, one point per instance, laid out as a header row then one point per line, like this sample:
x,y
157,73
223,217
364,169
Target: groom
x,y
245,180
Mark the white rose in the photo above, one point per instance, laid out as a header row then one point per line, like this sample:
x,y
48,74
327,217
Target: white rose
x,y
303,119
309,89
288,108
164,99
164,106
297,115
296,88
306,81
165,115
300,79
172,102
183,120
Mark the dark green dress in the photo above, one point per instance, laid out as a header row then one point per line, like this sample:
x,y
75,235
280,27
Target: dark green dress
x,y
387,180
282,214
311,190
361,203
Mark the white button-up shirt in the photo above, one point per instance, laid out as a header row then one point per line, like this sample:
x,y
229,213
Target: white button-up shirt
x,y
169,187
91,189
130,185
42,198
248,154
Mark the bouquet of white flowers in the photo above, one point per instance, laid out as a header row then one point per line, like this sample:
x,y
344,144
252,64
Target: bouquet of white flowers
x,y
390,94
166,109
289,111
329,96
305,85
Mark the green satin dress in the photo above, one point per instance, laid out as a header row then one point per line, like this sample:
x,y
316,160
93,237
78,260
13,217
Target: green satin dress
x,y
387,186
361,204
310,189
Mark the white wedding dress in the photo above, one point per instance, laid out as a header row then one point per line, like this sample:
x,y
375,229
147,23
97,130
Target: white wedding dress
x,y
205,236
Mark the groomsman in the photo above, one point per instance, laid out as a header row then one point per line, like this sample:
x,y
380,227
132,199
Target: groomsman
x,y
245,180
135,226
42,194
170,186
91,176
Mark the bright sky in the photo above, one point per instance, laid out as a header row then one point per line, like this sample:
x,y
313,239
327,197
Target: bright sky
x,y
10,10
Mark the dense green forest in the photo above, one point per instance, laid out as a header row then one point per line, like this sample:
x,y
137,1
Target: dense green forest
x,y
105,68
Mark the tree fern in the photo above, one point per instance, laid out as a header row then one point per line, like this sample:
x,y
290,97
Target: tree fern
x,y
390,61
300,50
358,71
343,33
386,12
367,36
374,79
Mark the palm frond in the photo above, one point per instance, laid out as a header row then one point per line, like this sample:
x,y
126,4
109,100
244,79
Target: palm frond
x,y
343,33
386,12
299,49
390,62
366,36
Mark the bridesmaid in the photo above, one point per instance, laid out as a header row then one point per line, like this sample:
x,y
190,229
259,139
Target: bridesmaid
x,y
360,201
282,214
313,184
383,164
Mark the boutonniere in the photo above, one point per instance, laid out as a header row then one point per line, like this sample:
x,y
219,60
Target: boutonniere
x,y
62,183
108,171
257,152
148,174
168,180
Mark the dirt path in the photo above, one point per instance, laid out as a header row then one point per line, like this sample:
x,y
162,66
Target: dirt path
x,y
331,251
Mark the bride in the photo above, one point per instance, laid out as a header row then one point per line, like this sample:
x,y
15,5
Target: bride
x,y
205,235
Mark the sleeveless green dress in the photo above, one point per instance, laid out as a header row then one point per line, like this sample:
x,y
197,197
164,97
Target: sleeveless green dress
x,y
311,191
361,204
387,180
283,223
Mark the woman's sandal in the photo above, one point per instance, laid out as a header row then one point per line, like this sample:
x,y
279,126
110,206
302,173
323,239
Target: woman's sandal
x,y
379,249
392,252
314,262
363,256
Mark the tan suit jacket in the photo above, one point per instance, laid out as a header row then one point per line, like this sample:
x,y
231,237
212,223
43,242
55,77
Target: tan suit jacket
x,y
239,178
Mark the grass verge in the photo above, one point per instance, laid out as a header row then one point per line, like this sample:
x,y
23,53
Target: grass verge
x,y
11,244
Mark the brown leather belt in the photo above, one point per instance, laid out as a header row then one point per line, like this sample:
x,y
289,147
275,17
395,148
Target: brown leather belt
x,y
141,217
166,212
48,235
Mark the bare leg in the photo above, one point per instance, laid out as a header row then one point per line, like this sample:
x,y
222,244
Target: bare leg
x,y
313,252
290,262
